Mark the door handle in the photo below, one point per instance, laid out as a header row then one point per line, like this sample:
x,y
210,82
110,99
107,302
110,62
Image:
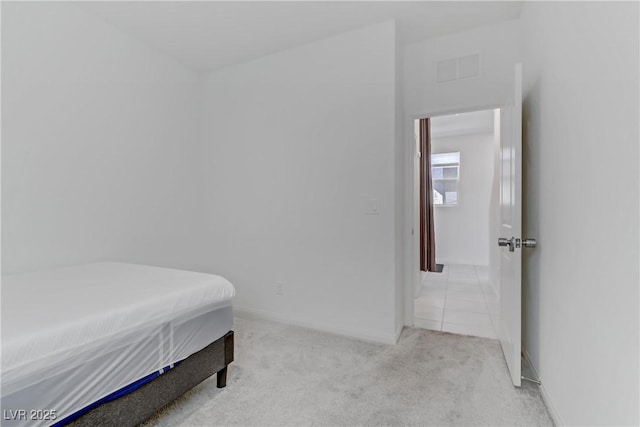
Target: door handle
x,y
502,241
514,243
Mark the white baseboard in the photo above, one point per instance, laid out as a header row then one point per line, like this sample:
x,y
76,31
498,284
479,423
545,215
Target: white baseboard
x,y
546,398
398,332
368,336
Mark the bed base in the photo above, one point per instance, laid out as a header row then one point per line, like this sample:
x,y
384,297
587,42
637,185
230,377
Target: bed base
x,y
139,405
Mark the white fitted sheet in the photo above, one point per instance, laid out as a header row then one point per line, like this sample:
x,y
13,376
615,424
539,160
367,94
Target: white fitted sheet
x,y
71,336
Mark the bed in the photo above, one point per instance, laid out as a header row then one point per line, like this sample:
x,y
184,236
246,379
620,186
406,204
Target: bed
x,y
109,343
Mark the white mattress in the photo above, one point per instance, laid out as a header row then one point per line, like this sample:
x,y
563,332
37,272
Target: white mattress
x,y
74,335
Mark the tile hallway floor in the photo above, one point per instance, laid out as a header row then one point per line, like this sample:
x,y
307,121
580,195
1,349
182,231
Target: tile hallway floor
x,y
459,300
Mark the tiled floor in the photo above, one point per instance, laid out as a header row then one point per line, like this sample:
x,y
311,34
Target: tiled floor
x,y
459,300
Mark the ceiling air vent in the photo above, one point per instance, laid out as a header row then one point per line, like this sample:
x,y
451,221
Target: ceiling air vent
x,y
460,68
448,70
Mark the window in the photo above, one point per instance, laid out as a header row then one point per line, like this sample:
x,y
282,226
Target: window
x,y
445,173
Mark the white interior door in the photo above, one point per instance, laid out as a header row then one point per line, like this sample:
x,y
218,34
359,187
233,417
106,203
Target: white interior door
x,y
509,330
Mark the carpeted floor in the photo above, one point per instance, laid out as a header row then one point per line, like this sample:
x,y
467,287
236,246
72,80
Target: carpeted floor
x,y
290,376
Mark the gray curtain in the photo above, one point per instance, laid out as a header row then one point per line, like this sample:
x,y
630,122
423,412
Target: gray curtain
x,y
427,229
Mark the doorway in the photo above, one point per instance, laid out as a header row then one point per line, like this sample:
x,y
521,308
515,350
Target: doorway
x,y
464,168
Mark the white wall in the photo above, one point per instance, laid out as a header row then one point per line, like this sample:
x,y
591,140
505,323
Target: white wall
x,y
297,143
401,235
499,47
99,144
581,192
462,231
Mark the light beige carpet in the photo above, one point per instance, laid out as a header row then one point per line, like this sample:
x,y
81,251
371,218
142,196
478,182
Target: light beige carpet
x,y
290,376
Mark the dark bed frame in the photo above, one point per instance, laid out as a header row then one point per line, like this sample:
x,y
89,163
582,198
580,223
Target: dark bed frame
x,y
139,405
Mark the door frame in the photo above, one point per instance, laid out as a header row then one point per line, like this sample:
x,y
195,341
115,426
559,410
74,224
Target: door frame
x,y
412,220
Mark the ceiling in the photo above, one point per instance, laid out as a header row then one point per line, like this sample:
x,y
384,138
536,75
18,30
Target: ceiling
x,y
462,124
206,35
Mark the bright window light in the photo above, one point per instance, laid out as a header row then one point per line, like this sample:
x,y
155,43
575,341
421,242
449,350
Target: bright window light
x,y
445,174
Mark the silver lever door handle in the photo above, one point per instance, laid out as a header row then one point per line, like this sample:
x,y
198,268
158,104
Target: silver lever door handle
x,y
508,242
514,243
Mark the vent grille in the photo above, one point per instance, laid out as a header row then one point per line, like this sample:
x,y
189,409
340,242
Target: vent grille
x,y
460,68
